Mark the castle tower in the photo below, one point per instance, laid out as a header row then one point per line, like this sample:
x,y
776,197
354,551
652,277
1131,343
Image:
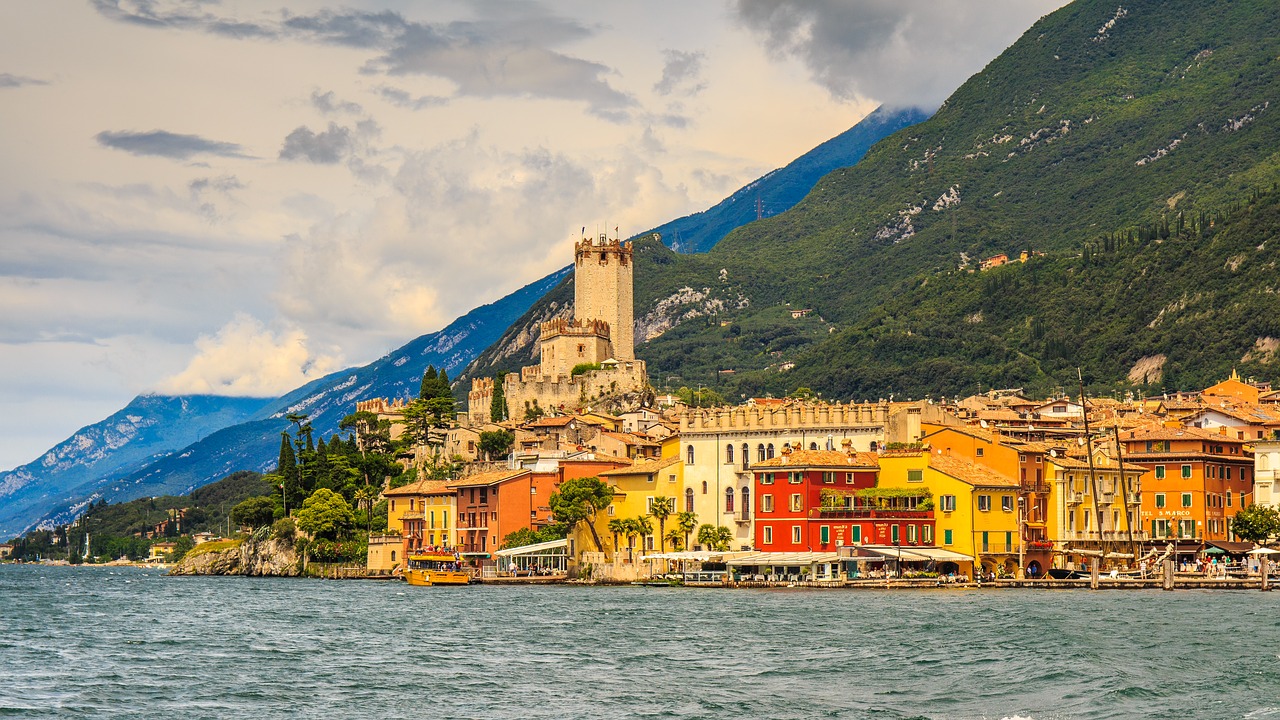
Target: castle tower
x,y
602,277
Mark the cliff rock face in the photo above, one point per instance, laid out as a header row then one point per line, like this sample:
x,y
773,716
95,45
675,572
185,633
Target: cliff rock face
x,y
258,558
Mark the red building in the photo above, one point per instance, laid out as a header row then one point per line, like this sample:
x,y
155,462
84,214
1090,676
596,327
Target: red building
x,y
809,500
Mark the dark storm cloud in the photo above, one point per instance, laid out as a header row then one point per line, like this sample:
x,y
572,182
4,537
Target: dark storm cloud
x,y
162,143
682,72
507,51
898,52
325,148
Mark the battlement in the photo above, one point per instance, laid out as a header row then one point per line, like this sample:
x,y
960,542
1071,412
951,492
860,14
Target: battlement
x,y
583,328
380,406
602,249
805,415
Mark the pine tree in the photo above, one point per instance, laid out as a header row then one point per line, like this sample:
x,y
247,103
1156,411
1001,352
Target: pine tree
x,y
428,382
498,407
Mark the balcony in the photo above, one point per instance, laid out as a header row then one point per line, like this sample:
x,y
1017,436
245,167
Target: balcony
x,y
1075,498
1106,535
412,515
742,517
999,548
869,513
1037,488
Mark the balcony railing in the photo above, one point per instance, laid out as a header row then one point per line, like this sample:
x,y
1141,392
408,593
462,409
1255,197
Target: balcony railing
x,y
1108,535
999,548
1030,486
412,515
1075,498
870,513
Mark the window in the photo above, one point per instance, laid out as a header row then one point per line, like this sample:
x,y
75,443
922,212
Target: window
x,y
648,505
728,454
856,535
986,541
1022,458
795,534
1241,498
984,503
746,455
797,502
1006,503
1159,500
533,489
1186,500
671,478
688,500
611,511
770,450
824,534
947,503
894,537
1159,472
828,477
1159,528
814,445
760,452
766,478
979,452
946,537
848,478
746,501
728,500
704,487
926,533
766,503
795,478
768,535
688,458
1186,471
913,533
915,476
1039,459
1039,474
393,504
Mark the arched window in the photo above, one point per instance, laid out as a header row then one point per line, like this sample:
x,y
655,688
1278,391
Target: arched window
x,y
704,487
688,500
728,500
746,501
760,452
728,453
874,446
689,455
770,449
813,446
746,455
1264,462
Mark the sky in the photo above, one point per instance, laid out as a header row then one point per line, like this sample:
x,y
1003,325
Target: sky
x,y
237,197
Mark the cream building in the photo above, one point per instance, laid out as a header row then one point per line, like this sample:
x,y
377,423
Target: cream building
x,y
599,334
718,447
1266,472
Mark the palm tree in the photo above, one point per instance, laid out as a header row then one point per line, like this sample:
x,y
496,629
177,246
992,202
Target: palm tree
x,y
630,529
662,508
687,522
676,538
715,537
617,526
644,529
365,496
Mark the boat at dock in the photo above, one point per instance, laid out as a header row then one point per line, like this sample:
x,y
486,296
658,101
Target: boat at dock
x,y
436,568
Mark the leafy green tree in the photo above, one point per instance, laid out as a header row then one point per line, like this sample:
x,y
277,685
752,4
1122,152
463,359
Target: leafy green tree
x,y
326,515
715,537
529,536
496,443
687,522
662,509
254,512
425,421
578,500
1256,523
181,547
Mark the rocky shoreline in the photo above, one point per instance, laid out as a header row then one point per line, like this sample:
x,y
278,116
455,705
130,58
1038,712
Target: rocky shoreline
x,y
253,558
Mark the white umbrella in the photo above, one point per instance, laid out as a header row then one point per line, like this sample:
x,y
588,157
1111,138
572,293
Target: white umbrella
x,y
1263,551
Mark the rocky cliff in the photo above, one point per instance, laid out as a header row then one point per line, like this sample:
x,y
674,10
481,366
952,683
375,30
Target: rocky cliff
x,y
258,558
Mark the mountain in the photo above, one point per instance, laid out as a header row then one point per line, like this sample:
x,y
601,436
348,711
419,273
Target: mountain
x,y
1099,124
212,437
148,427
776,192
780,189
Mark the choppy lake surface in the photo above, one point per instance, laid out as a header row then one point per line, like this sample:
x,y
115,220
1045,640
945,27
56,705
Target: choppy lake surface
x,y
124,643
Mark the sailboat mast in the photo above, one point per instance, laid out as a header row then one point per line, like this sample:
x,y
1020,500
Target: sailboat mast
x,y
1093,479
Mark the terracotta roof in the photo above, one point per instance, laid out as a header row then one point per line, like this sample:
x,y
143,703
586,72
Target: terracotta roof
x,y
1180,433
999,415
970,430
971,473
421,487
1075,463
557,421
640,468
629,438
821,458
487,478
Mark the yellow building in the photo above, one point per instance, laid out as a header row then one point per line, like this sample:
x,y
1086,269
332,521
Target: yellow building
x,y
636,486
975,507
1074,517
425,513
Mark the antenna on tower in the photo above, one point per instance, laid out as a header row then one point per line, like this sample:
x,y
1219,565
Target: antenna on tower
x,y
759,206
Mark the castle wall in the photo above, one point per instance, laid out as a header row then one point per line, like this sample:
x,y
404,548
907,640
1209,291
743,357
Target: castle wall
x,y
560,353
571,394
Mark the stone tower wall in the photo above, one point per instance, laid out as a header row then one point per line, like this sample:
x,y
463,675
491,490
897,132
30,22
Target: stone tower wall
x,y
603,276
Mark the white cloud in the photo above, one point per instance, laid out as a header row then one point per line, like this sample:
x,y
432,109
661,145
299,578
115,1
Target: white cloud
x,y
245,358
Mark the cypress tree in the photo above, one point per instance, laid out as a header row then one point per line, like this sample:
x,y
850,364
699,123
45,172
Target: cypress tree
x,y
498,407
428,382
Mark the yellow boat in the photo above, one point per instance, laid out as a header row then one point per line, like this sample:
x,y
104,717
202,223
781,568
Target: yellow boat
x,y
437,568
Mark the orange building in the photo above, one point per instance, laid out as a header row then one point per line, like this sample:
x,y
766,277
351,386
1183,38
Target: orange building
x,y
1198,480
423,513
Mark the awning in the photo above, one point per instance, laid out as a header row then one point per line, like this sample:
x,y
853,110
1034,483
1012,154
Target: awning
x,y
1230,548
784,558
913,553
690,555
544,548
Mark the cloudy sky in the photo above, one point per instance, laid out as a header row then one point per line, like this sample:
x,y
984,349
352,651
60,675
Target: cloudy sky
x,y
234,197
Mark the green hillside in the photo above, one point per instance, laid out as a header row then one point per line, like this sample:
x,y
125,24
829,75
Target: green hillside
x,y
1097,121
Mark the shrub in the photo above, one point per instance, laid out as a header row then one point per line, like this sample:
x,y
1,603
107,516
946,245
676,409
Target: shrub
x,y
284,529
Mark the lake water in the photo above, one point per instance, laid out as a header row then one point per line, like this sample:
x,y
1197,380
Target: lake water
x,y
125,643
